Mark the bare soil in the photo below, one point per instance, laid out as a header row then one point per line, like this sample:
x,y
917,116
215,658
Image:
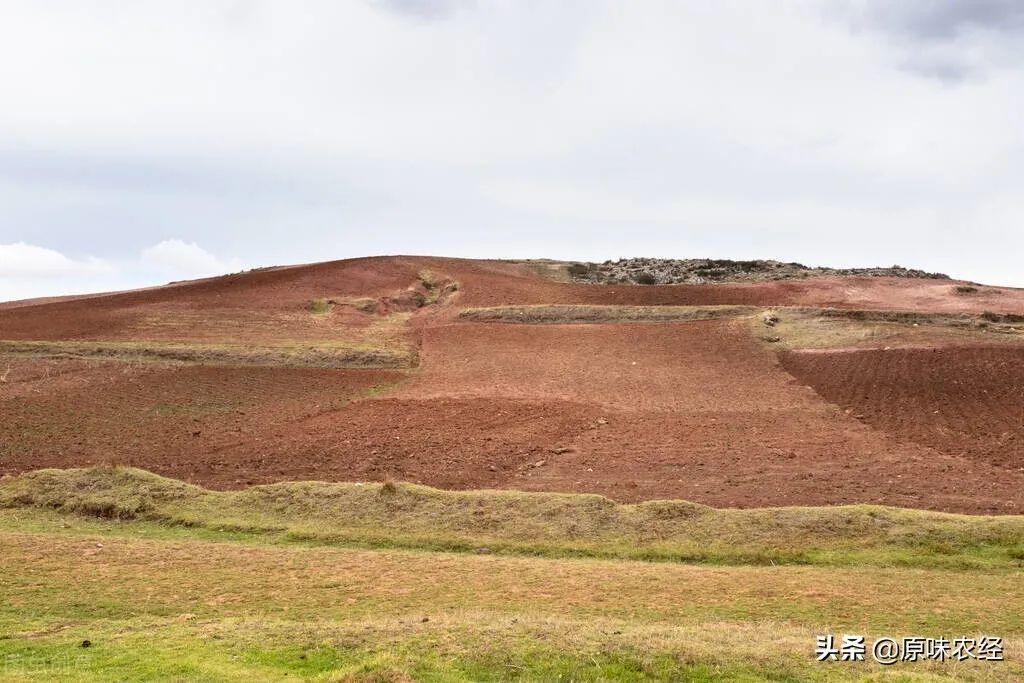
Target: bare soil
x,y
701,410
271,305
965,402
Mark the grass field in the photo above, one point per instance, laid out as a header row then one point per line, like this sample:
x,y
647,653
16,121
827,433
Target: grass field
x,y
400,582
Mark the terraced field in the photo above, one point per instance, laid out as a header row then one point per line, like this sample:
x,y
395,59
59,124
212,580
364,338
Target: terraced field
x,y
758,408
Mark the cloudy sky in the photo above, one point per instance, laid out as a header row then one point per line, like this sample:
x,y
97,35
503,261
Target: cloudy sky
x,y
142,142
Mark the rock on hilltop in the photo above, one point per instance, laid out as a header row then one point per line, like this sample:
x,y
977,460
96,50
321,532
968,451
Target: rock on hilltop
x,y
655,271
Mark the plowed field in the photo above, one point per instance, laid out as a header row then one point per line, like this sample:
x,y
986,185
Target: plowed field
x,y
702,410
965,402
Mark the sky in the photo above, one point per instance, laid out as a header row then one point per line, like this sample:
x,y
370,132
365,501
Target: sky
x,y
143,142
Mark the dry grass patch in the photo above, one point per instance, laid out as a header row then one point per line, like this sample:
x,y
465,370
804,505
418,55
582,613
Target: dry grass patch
x,y
549,524
222,607
568,313
824,328
166,579
328,355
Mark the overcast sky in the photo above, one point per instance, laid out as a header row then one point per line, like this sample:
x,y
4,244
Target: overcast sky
x,y
142,142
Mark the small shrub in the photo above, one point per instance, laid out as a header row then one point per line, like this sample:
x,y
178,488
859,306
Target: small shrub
x,y
1002,317
646,278
966,289
107,508
319,306
365,305
427,279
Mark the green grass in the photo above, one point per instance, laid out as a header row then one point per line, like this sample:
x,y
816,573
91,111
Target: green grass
x,y
543,524
339,582
161,602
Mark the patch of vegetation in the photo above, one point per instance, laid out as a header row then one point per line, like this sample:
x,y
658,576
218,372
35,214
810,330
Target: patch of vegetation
x,y
431,288
961,320
364,304
966,289
1005,318
646,278
904,317
583,313
800,327
319,356
319,306
159,601
167,580
428,279
557,525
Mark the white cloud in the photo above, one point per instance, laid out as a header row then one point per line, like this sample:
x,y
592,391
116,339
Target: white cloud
x,y
186,259
281,133
28,260
29,270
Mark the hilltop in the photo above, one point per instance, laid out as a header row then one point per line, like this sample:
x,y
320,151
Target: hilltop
x,y
654,271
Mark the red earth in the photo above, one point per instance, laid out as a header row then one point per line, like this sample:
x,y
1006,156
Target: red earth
x,y
271,302
964,402
700,410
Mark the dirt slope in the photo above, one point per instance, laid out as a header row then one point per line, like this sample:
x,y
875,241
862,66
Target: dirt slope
x,y
271,303
702,410
967,402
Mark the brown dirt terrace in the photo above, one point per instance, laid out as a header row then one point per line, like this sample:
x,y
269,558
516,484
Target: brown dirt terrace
x,y
710,405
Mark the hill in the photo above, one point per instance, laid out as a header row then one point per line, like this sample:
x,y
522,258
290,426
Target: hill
x,y
385,469
495,374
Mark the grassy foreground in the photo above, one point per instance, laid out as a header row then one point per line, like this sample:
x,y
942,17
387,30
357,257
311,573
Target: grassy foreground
x,y
346,582
546,524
